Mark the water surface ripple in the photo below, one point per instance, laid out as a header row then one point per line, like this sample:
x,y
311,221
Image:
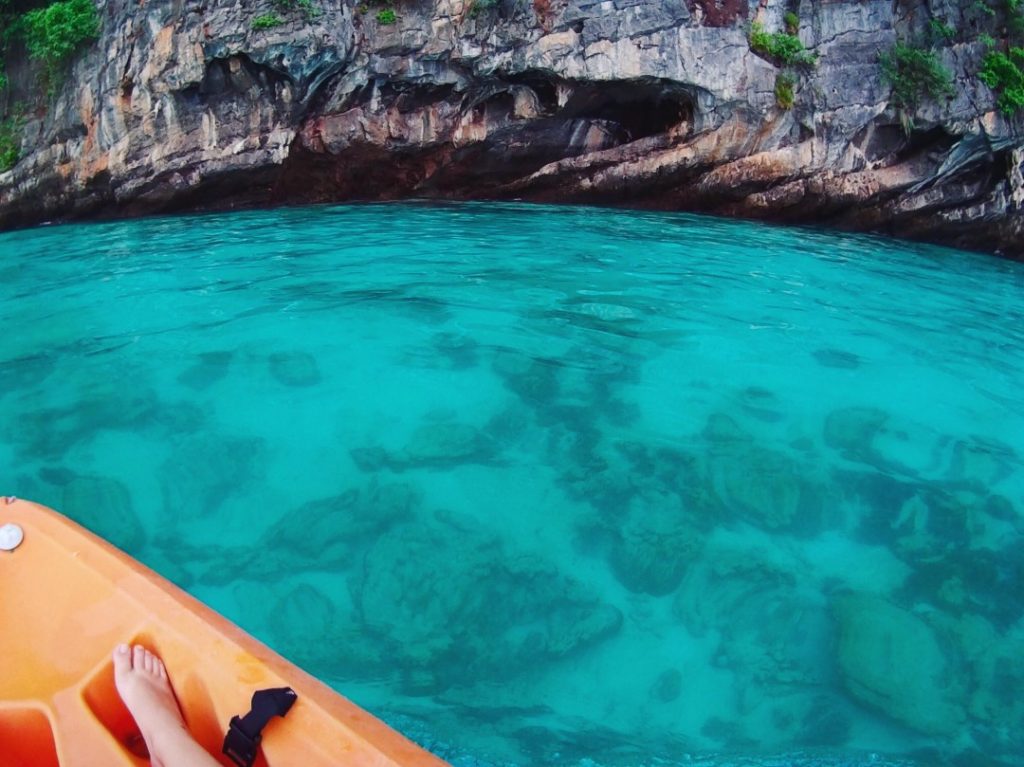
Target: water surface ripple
x,y
555,486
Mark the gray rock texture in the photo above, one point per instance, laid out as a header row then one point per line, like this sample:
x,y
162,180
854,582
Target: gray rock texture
x,y
650,103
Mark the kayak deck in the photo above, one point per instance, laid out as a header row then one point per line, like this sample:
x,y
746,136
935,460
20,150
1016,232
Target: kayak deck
x,y
69,597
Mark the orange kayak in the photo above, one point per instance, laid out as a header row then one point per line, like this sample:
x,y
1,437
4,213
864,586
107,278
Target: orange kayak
x,y
67,598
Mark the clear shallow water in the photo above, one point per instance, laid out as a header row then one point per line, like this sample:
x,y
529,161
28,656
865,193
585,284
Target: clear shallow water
x,y
542,485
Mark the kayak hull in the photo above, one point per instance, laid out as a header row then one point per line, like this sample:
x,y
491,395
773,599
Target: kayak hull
x,y
68,598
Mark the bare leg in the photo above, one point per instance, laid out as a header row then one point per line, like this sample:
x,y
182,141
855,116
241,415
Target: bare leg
x,y
142,682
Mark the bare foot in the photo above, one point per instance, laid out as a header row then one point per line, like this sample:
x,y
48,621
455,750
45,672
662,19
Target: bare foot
x,y
143,685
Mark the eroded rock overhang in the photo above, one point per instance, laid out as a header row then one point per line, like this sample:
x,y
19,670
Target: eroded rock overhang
x,y
639,102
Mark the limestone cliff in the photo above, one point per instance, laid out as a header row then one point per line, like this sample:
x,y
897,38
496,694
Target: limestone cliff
x,y
653,103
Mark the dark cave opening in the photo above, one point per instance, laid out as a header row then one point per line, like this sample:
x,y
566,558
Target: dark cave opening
x,y
890,141
544,88
500,105
239,74
641,109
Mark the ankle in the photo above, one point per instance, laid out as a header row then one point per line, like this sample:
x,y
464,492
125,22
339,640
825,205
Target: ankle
x,y
167,740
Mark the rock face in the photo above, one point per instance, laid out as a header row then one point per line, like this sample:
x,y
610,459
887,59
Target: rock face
x,y
656,103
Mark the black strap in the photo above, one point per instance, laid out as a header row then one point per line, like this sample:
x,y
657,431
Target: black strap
x,y
243,738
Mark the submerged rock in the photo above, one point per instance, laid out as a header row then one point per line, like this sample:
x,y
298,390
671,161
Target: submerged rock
x,y
310,623
723,429
825,723
294,368
996,662
327,534
56,475
772,629
208,368
535,381
370,459
507,426
852,431
435,444
455,605
660,469
104,505
836,358
935,524
668,686
316,529
761,403
179,418
763,486
26,372
774,489
329,528
979,581
303,610
655,545
203,471
891,660
50,432
982,462
459,350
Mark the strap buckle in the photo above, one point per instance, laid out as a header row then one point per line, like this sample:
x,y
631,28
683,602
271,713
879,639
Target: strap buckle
x,y
242,741
238,746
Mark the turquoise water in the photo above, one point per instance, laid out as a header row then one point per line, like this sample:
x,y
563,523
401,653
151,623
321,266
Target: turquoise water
x,y
549,485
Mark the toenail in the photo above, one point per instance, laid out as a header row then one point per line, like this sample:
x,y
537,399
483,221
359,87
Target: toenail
x,y
122,648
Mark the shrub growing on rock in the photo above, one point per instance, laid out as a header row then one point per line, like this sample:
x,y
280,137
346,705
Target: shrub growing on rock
x,y
286,7
1002,73
481,6
1002,66
916,75
308,9
55,33
784,95
939,32
10,143
782,48
6,20
267,21
791,22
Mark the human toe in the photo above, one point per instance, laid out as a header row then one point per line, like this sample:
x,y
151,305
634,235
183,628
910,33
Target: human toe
x,y
122,659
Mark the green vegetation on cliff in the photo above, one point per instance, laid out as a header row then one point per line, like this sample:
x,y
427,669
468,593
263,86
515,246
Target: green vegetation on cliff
x,y
785,50
781,47
306,7
267,21
10,142
1003,73
7,30
478,7
286,7
1002,67
916,75
52,34
55,33
792,22
785,96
